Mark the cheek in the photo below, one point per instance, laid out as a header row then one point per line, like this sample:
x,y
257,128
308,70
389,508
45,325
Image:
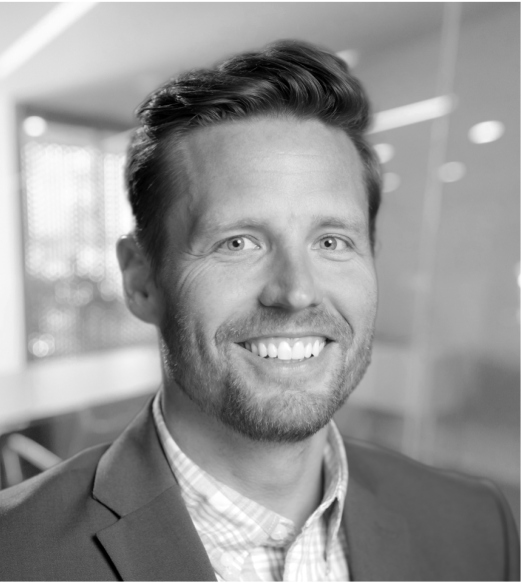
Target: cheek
x,y
211,295
354,293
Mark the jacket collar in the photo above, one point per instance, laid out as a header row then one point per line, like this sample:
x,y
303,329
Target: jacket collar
x,y
154,538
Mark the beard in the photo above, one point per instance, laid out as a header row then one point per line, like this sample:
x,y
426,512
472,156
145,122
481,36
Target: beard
x,y
291,413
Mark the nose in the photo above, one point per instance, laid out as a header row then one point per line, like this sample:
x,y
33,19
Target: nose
x,y
292,283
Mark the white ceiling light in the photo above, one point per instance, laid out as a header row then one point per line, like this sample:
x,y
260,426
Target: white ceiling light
x,y
391,181
452,171
41,34
351,57
413,113
486,132
384,151
34,126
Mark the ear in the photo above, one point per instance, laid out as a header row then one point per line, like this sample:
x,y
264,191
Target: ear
x,y
141,294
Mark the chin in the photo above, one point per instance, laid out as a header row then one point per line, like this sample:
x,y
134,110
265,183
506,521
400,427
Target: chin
x,y
288,416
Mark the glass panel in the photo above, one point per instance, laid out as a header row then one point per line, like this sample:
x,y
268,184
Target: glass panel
x,y
475,319
403,75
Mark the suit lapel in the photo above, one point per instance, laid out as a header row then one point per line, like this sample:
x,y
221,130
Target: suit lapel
x,y
154,537
156,543
378,540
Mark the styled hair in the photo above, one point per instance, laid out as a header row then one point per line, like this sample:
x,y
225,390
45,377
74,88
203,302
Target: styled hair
x,y
286,78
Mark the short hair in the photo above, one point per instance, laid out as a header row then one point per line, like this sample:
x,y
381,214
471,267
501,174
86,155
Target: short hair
x,y
286,78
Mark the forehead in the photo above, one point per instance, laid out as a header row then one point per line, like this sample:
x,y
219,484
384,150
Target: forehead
x,y
265,165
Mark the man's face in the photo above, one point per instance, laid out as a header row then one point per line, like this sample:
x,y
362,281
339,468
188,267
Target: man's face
x,y
269,252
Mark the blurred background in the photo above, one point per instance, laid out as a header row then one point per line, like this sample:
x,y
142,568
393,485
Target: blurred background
x,y
443,78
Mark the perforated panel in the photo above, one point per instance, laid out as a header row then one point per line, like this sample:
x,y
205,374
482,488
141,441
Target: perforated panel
x,y
74,210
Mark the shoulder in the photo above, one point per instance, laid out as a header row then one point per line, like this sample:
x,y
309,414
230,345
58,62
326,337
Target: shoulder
x,y
447,513
48,523
64,481
395,477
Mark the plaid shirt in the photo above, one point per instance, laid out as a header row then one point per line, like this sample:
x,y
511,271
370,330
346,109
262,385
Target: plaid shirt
x,y
246,541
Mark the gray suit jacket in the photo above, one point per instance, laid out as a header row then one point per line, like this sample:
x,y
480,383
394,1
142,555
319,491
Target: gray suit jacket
x,y
115,512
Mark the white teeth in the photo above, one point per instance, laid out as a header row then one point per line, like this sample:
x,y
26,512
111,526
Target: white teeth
x,y
284,351
296,349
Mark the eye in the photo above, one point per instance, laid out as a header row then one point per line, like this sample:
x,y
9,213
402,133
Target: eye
x,y
333,243
239,243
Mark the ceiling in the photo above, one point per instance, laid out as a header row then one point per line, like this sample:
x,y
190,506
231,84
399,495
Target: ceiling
x,y
104,64
17,17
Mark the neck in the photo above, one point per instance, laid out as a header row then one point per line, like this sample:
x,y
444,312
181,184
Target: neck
x,y
284,477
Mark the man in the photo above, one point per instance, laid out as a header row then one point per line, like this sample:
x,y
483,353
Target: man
x,y
255,197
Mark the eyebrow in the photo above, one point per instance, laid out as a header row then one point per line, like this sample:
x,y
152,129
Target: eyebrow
x,y
209,227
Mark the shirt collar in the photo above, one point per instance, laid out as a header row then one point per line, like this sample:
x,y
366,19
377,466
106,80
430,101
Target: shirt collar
x,y
212,499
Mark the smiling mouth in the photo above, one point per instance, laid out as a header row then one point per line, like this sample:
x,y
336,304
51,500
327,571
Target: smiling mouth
x,y
286,348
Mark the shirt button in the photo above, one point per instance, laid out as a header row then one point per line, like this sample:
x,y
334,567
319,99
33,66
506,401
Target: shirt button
x,y
226,561
280,532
